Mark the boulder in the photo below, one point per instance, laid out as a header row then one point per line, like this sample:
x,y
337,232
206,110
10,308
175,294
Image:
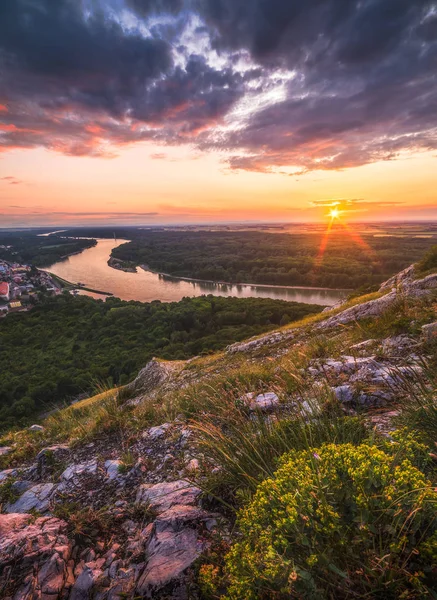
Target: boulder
x,y
163,496
151,377
344,393
36,428
4,450
37,498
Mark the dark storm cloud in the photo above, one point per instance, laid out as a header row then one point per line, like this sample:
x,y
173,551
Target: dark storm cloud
x,y
75,79
364,86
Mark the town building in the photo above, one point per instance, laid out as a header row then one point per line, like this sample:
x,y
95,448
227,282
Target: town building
x,y
4,291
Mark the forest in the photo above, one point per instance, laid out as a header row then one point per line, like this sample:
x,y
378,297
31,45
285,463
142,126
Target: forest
x,y
27,247
274,258
68,346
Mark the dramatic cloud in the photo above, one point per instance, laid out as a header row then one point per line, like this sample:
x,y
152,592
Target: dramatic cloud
x,y
276,85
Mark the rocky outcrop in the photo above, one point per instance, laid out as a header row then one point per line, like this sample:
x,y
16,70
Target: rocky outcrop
x,y
154,374
34,557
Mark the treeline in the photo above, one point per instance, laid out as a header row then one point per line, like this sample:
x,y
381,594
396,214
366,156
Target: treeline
x,y
275,259
66,346
30,248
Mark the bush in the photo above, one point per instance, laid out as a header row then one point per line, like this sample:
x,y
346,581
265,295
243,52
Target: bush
x,y
338,522
429,261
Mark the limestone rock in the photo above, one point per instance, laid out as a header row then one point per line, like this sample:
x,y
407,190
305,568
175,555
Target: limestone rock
x,y
157,432
151,377
430,332
174,540
112,468
36,498
33,556
163,496
344,393
84,583
170,554
263,402
36,428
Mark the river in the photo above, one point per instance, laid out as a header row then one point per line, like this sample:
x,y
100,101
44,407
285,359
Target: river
x,y
90,267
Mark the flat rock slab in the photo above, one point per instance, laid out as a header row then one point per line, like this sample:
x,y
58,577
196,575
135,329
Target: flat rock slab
x,y
163,496
170,554
36,498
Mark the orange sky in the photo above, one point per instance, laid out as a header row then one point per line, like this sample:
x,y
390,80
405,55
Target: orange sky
x,y
188,111
179,185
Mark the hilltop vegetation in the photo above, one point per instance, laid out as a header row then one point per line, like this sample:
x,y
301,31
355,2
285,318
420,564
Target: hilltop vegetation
x,y
66,346
275,259
297,465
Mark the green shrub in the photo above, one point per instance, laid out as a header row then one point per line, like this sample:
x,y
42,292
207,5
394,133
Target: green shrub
x,y
428,262
341,521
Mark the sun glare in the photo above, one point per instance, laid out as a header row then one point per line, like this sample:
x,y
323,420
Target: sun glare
x,y
334,213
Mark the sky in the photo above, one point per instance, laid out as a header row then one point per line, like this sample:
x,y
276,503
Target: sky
x,y
145,112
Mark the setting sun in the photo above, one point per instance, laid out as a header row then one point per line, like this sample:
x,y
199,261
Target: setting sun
x,y
334,213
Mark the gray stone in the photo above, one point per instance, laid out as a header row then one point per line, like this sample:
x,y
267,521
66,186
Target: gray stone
x,y
155,433
263,402
112,469
344,393
36,428
363,345
7,473
430,332
162,496
4,450
398,345
84,583
36,498
73,471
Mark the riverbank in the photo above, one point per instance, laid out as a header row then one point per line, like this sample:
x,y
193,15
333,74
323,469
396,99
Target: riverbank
x,y
69,286
255,285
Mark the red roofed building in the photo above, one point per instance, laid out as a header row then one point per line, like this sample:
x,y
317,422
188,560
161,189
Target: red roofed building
x,y
4,291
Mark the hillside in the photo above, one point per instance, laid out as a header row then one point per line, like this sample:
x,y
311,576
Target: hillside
x,y
296,464
67,346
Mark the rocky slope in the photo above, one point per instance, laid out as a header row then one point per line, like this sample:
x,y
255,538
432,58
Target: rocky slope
x,y
118,516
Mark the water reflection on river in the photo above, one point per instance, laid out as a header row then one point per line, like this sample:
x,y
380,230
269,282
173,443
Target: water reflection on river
x,y
91,268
